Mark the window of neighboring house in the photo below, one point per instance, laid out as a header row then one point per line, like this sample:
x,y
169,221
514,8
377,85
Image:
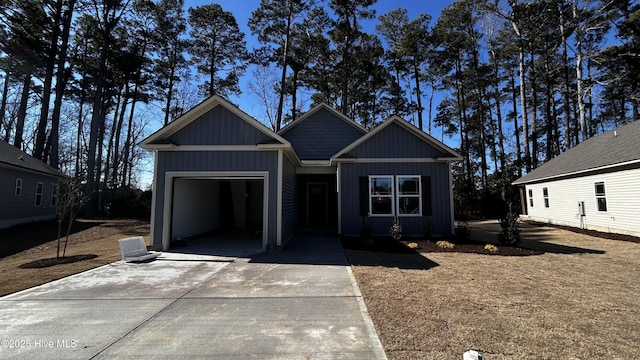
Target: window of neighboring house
x,y
545,195
409,195
530,197
54,194
601,196
38,201
18,190
381,195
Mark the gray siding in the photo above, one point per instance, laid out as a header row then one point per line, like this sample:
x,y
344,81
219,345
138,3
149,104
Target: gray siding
x,y
440,204
288,199
394,142
219,126
216,161
20,209
321,135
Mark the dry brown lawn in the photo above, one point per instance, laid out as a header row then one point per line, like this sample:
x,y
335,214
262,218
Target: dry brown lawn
x,y
577,300
37,241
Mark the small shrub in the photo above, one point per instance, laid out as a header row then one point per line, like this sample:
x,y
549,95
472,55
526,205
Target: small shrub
x,y
491,248
396,229
412,245
510,233
462,230
443,244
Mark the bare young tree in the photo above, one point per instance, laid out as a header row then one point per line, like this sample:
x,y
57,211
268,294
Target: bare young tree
x,y
70,198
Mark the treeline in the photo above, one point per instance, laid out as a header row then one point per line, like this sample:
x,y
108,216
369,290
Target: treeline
x,y
517,82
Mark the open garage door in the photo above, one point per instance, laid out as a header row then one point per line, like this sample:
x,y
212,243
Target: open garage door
x,y
228,212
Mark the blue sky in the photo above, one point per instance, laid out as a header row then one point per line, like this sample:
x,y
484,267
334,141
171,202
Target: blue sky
x,y
242,9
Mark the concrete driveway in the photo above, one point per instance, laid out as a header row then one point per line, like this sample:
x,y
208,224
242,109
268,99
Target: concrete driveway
x,y
299,303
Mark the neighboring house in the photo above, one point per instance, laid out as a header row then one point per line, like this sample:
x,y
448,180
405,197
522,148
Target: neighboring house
x,y
595,185
27,187
217,168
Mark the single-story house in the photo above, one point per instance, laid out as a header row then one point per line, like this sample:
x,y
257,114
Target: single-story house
x,y
594,185
217,168
27,187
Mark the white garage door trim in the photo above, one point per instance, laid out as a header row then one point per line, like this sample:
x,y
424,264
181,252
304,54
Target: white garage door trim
x,y
212,175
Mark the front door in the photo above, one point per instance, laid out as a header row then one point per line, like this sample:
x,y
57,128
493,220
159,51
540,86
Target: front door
x,y
317,204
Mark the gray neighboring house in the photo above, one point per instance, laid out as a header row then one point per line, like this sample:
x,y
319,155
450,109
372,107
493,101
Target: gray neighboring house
x,y
27,188
218,169
594,185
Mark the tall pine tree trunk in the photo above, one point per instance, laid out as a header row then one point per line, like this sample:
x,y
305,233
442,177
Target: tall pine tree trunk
x,y
22,110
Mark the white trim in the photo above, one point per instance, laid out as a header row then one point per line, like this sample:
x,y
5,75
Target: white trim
x,y
392,195
315,162
154,195
35,198
393,160
419,196
18,187
169,176
279,199
196,112
404,124
338,172
316,109
451,205
595,196
570,174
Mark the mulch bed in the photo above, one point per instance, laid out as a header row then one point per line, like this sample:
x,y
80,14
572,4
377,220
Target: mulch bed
x,y
390,245
598,234
43,263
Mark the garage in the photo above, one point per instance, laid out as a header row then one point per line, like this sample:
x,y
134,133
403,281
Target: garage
x,y
219,212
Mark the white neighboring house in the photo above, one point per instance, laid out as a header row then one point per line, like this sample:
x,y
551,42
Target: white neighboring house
x,y
595,185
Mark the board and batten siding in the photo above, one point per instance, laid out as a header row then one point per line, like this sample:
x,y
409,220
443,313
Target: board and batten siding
x,y
441,215
394,142
215,161
321,135
21,209
289,200
622,194
219,126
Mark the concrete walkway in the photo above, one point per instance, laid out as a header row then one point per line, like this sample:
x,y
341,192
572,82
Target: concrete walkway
x,y
299,303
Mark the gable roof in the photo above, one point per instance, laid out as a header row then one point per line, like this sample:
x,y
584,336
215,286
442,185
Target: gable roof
x,y
158,139
326,107
608,150
14,157
449,154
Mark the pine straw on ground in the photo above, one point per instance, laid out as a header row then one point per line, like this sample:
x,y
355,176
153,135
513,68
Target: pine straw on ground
x,y
576,300
35,242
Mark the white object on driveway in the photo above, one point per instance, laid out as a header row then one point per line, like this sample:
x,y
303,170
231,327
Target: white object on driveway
x,y
134,249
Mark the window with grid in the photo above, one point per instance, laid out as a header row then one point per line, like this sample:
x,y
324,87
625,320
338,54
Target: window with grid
x,y
601,196
530,197
18,189
409,195
38,200
545,195
381,195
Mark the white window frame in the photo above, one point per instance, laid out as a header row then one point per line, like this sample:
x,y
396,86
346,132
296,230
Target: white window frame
x,y
38,194
399,195
603,196
545,196
18,188
390,196
54,193
530,197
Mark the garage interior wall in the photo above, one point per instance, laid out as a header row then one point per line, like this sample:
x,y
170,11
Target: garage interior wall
x,y
208,205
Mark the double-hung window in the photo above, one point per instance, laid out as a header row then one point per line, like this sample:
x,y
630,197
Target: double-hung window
x,y
54,194
399,195
18,189
530,198
545,195
409,195
38,200
381,195
601,196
